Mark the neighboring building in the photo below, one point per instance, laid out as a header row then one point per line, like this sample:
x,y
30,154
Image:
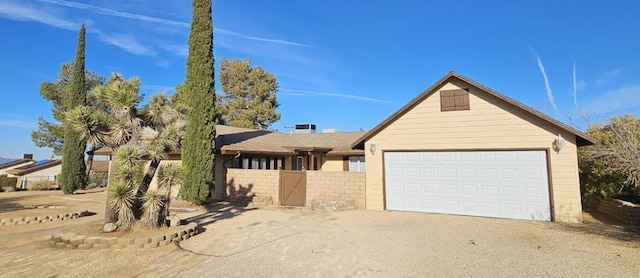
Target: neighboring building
x,y
10,163
39,171
462,148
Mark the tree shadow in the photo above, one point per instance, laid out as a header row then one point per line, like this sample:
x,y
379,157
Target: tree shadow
x,y
238,194
604,227
11,204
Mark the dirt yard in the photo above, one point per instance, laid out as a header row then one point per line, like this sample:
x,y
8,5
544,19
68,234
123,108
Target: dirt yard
x,y
280,242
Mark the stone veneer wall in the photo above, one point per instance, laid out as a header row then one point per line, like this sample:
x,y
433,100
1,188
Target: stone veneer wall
x,y
623,211
75,241
335,190
40,219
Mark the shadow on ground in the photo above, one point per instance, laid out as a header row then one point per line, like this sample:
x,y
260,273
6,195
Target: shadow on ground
x,y
216,211
604,226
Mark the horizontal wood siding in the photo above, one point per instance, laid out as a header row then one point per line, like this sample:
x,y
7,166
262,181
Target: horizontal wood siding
x,y
489,124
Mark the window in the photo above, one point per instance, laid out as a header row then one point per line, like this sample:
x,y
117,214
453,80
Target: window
x,y
264,163
356,164
454,100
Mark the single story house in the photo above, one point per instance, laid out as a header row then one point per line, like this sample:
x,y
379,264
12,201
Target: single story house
x,y
462,148
457,148
41,170
242,148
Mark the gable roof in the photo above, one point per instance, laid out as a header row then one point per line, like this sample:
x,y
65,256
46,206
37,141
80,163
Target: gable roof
x,y
581,138
38,165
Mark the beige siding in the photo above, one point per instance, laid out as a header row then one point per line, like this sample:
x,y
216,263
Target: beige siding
x,y
154,181
332,164
51,171
219,193
489,124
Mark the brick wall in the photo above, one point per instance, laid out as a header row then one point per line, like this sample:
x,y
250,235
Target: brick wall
x,y
258,186
335,190
623,211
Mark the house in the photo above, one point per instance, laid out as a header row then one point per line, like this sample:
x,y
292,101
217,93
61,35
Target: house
x,y
242,148
41,170
10,163
462,148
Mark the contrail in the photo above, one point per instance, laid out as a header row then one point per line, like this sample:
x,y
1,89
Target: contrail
x,y
575,87
546,84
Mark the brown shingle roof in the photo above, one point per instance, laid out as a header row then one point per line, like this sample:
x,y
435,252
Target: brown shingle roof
x,y
581,138
338,142
14,163
230,140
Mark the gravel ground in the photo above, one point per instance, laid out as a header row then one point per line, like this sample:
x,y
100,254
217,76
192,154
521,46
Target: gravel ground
x,y
283,242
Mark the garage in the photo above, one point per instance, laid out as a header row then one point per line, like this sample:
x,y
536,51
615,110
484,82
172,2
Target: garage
x,y
504,184
462,148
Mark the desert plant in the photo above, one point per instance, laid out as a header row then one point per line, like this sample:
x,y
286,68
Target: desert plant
x,y
169,177
6,182
154,201
121,198
41,185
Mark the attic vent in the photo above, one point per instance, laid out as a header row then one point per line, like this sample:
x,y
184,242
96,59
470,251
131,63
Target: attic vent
x,y
454,100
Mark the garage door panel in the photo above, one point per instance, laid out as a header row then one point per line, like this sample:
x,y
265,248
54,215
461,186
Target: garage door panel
x,y
508,184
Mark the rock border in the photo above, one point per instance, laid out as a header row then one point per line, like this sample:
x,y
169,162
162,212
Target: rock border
x,y
626,212
41,219
75,241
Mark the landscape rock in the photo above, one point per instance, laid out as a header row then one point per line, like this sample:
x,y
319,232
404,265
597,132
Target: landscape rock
x,y
109,227
174,220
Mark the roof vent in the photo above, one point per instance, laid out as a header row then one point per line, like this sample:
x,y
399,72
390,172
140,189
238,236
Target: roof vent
x,y
305,128
27,156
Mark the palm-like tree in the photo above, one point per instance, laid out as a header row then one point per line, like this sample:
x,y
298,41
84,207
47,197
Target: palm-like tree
x,y
150,132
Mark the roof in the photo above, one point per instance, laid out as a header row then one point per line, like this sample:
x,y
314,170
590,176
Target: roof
x,y
231,140
8,162
581,138
37,166
338,142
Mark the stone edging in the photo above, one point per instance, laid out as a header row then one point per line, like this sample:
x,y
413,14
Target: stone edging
x,y
40,219
75,241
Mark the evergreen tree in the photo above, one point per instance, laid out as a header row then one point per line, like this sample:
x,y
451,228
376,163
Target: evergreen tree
x,y
72,175
249,98
198,152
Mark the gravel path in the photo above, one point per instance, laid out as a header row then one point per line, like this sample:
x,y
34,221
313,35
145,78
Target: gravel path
x,y
282,242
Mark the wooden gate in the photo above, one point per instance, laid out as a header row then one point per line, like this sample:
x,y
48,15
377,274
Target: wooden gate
x,y
293,188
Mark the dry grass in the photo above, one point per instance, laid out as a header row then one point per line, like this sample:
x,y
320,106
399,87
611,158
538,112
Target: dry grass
x,y
42,186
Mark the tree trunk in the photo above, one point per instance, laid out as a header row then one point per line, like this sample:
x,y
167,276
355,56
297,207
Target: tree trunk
x,y
90,161
144,187
109,214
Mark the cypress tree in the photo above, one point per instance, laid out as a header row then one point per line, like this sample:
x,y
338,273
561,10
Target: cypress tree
x,y
198,149
72,175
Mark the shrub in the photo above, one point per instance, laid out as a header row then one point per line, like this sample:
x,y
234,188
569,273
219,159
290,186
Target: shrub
x,y
42,185
6,183
97,180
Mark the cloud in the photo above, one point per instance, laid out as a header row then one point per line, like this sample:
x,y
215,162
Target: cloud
x,y
158,88
608,77
546,84
163,64
164,21
178,49
127,42
20,12
627,97
295,92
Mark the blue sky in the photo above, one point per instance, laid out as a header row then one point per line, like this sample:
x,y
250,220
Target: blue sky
x,y
340,64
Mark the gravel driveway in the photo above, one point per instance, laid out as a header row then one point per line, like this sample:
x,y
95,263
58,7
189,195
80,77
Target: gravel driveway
x,y
281,242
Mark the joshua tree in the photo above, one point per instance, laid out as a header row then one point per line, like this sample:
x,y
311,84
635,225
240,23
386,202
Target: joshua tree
x,y
150,132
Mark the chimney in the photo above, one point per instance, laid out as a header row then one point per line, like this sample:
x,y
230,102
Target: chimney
x,y
27,156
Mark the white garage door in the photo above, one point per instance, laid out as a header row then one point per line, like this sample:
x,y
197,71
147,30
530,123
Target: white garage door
x,y
504,184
